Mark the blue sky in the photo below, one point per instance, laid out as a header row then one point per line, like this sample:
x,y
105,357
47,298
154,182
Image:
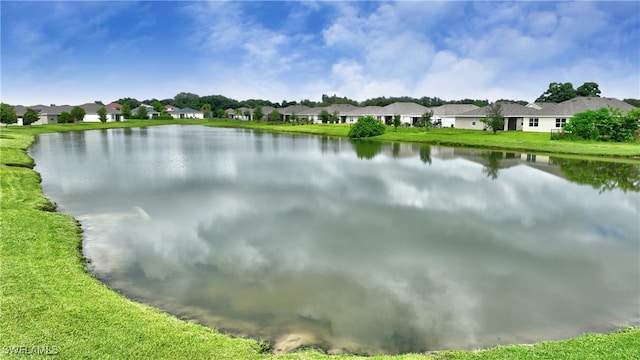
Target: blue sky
x,y
71,52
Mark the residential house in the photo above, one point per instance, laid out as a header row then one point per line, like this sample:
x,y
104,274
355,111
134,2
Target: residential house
x,y
410,113
374,111
151,112
514,115
91,113
539,117
549,116
288,111
445,115
187,113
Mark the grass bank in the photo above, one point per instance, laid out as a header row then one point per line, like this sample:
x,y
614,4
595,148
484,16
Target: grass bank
x,y
506,140
50,304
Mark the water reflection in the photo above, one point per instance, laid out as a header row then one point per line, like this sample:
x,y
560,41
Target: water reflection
x,y
601,175
384,255
367,149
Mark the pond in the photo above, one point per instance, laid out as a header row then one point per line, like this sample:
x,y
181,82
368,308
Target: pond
x,y
352,247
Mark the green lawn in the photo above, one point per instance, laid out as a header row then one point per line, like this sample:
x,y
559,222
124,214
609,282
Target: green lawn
x,y
510,140
47,299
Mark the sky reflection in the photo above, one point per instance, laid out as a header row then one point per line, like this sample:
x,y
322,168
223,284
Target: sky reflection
x,y
385,253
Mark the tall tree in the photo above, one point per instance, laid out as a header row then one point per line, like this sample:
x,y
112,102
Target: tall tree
x,y
335,117
588,89
125,110
275,115
425,120
30,116
102,114
8,114
494,119
157,106
396,121
558,92
132,103
142,113
206,110
257,113
324,116
77,114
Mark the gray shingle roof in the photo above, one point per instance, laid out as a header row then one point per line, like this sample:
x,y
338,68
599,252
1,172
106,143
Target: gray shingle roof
x,y
404,108
580,104
508,110
452,109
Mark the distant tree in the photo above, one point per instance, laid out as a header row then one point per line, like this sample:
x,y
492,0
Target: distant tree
x,y
521,102
206,110
247,114
324,116
396,121
99,102
237,113
8,114
588,89
275,115
221,114
30,116
102,114
425,120
365,127
64,117
142,113
257,113
633,102
558,92
185,99
494,119
132,103
126,111
294,118
330,100
77,114
157,106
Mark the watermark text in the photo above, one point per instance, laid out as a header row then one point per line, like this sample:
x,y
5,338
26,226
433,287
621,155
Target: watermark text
x,y
30,350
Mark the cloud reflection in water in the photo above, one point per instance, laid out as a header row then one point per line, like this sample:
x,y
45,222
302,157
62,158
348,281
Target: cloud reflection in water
x,y
383,255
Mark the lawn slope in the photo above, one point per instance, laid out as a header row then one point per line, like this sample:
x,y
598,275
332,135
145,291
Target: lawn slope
x,y
49,302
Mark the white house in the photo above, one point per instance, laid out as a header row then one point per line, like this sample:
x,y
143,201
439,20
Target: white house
x,y
514,115
187,113
91,113
446,114
548,116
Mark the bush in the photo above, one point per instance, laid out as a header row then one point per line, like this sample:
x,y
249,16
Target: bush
x,y
583,124
365,127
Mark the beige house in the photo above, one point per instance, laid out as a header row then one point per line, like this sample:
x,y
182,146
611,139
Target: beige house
x,y
549,116
539,117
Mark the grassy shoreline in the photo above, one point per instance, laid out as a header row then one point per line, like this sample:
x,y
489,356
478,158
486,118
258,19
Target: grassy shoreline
x,y
48,301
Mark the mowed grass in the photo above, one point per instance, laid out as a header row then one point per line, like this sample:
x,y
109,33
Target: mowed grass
x,y
47,299
504,140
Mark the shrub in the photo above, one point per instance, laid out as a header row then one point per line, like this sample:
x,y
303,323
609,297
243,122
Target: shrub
x,y
583,124
365,127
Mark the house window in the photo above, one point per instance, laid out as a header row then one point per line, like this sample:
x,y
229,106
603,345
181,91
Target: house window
x,y
473,122
533,122
560,122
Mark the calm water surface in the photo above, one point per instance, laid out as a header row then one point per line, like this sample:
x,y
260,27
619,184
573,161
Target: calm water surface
x,y
366,248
